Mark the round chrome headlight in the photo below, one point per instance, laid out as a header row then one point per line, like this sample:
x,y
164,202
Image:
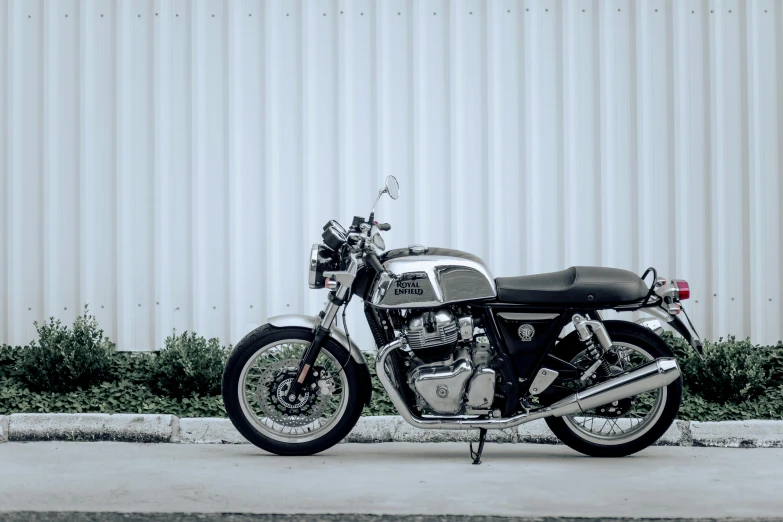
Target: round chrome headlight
x,y
311,279
322,259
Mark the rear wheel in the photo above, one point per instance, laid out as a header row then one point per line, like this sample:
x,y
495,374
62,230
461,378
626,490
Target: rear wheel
x,y
256,381
626,426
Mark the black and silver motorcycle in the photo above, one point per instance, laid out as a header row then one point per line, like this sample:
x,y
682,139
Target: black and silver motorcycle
x,y
459,349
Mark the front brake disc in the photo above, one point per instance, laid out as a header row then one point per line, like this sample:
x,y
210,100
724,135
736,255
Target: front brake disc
x,y
272,395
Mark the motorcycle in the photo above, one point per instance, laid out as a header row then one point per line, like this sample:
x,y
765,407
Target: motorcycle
x,y
459,349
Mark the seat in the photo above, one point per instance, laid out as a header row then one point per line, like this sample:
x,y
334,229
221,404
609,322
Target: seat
x,y
578,285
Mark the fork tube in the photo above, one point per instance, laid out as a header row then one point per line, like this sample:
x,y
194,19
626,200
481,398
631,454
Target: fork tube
x,y
331,311
336,300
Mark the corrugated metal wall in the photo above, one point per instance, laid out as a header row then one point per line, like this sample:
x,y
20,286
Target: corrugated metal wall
x,y
170,162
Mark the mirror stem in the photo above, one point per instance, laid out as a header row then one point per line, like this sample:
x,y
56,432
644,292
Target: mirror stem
x,y
372,212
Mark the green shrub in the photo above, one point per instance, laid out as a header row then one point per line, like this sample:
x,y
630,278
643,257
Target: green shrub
x,y
107,397
64,359
380,404
189,364
773,364
768,405
732,371
9,357
135,367
682,350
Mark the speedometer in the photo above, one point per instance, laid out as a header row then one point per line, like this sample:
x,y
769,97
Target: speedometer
x,y
333,237
334,223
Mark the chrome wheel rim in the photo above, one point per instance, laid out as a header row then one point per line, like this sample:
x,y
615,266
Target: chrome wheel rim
x,y
265,379
620,423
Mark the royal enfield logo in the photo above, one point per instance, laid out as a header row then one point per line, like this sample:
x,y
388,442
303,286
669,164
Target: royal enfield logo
x,y
526,332
408,287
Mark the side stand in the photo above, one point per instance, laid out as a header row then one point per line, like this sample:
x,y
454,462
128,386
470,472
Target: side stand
x,y
476,455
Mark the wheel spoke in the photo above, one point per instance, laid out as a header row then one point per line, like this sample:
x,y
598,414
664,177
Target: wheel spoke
x,y
267,376
623,418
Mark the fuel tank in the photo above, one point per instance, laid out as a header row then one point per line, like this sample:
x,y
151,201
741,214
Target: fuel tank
x,y
421,277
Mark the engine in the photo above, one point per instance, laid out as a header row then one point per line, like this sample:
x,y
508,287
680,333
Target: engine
x,y
433,335
451,371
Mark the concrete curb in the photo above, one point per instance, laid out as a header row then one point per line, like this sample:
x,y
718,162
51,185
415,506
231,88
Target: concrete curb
x,y
536,432
679,434
209,431
738,434
91,426
169,428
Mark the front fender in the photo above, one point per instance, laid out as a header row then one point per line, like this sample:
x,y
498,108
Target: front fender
x,y
309,321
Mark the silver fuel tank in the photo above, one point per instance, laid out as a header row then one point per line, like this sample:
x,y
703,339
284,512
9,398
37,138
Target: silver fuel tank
x,y
420,277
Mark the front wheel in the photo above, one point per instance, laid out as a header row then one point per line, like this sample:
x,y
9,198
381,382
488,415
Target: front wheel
x,y
626,426
256,380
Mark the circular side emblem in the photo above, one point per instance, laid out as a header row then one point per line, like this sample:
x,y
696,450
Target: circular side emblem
x,y
526,332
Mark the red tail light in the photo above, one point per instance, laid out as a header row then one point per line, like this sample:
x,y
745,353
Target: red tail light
x,y
683,289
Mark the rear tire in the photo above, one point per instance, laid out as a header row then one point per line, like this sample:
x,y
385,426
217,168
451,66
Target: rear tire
x,y
250,423
568,431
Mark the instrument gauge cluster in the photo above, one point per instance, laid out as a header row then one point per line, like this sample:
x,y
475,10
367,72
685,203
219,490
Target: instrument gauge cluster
x,y
334,235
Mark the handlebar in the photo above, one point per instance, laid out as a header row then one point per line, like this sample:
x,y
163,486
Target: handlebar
x,y
372,259
384,227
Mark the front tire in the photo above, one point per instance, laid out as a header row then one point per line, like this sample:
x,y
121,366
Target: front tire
x,y
257,374
664,403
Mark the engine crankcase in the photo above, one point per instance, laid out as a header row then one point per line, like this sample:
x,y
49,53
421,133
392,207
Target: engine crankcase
x,y
442,385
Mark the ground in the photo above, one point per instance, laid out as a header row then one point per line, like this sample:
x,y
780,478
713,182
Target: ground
x,y
392,478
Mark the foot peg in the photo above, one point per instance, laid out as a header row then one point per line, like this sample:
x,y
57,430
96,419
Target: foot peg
x,y
476,455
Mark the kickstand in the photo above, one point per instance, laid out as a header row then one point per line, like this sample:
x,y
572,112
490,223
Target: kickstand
x,y
476,455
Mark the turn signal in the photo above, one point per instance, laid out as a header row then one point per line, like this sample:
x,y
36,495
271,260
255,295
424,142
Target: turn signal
x,y
683,289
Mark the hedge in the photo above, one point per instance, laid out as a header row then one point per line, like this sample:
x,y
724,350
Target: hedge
x,y
72,371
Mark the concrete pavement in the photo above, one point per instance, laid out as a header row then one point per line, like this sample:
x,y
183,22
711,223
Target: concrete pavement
x,y
393,478
65,516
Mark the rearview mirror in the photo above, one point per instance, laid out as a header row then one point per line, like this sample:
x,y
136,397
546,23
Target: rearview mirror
x,y
392,187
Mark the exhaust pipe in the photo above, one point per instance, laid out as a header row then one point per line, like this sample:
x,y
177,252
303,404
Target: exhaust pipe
x,y
653,375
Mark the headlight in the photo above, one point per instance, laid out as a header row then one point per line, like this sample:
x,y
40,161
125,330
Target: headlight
x,y
313,266
322,258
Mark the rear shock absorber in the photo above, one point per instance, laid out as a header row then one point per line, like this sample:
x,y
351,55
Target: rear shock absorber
x,y
587,331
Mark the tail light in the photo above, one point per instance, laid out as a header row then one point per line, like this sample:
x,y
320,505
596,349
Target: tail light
x,y
683,289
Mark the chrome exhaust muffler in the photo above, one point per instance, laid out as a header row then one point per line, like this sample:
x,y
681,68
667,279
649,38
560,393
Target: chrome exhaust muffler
x,y
653,375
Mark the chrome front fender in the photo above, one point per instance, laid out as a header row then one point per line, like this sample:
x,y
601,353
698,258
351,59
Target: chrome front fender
x,y
309,321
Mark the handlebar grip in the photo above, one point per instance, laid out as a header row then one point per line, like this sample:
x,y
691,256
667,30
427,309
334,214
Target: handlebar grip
x,y
373,261
383,227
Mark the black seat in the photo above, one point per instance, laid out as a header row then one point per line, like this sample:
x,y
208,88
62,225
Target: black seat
x,y
578,285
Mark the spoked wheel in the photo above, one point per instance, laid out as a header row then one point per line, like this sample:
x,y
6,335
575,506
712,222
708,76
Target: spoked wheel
x,y
626,426
257,380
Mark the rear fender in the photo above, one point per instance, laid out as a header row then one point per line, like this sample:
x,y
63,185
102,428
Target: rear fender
x,y
656,325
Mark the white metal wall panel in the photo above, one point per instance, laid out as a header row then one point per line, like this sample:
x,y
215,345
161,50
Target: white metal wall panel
x,y
169,162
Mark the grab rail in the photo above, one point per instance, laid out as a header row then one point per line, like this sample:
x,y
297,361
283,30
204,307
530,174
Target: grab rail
x,y
652,286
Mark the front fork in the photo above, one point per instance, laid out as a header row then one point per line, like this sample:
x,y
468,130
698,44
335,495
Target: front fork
x,y
336,299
